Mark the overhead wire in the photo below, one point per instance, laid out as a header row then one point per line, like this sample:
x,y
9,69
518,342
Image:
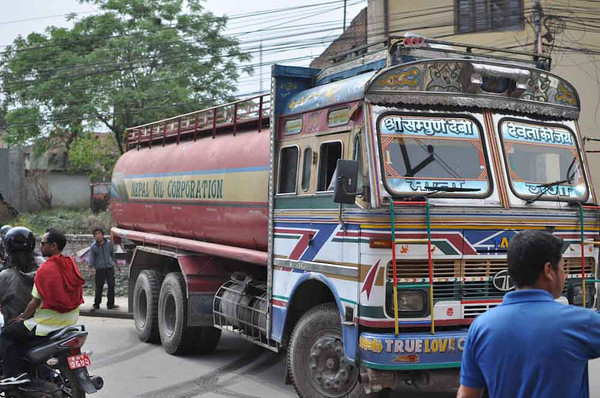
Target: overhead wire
x,y
440,25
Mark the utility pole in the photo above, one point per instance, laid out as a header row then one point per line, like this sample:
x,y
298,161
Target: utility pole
x,y
344,16
386,23
260,85
537,27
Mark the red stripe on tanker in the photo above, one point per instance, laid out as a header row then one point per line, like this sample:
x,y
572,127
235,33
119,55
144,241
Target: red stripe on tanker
x,y
211,189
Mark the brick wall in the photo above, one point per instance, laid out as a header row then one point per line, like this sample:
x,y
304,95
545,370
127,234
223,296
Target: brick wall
x,y
354,36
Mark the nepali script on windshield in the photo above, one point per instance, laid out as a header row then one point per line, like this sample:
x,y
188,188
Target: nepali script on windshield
x,y
542,160
422,153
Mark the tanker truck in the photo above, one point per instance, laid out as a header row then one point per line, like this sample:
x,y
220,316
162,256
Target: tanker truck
x,y
357,217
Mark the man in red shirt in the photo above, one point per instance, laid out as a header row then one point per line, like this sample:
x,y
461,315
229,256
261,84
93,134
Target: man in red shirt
x,y
57,294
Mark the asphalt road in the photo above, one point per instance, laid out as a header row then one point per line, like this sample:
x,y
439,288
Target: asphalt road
x,y
238,369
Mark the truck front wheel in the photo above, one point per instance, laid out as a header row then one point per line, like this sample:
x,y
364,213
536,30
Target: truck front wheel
x,y
316,362
177,338
145,305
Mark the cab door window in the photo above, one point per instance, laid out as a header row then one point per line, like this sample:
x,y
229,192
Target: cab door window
x,y
306,168
329,153
288,170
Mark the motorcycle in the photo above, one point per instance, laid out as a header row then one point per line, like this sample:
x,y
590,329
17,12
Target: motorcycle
x,y
56,368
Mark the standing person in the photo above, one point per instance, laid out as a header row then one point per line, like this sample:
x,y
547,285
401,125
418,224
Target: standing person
x,y
531,345
102,258
56,296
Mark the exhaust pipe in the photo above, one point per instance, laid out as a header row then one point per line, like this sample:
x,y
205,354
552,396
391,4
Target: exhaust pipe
x,y
97,381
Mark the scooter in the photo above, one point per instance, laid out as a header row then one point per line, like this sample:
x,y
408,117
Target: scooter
x,y
56,368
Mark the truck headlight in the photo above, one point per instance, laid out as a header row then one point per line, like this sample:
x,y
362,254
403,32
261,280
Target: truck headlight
x,y
577,294
577,297
411,301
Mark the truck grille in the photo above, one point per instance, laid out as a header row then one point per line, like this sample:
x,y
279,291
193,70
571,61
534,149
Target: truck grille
x,y
471,311
469,279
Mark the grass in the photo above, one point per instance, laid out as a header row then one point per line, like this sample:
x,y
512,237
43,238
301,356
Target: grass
x,y
69,220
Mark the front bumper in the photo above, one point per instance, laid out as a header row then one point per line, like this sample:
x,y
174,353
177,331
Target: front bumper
x,y
412,351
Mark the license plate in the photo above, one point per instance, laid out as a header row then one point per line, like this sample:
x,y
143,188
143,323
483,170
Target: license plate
x,y
79,361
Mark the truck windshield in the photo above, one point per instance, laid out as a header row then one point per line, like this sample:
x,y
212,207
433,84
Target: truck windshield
x,y
542,161
422,153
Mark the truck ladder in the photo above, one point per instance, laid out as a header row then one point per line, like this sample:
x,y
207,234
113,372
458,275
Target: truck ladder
x,y
424,203
583,243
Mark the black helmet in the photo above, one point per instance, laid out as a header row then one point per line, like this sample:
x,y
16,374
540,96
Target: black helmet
x,y
4,229
19,239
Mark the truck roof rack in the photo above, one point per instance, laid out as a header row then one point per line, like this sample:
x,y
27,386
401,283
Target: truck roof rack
x,y
248,112
422,47
401,49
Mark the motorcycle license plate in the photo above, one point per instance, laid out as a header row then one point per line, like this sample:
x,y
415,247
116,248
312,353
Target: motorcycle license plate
x,y
79,361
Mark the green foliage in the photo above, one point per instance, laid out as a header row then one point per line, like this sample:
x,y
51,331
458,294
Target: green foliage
x,y
135,62
24,124
69,220
88,154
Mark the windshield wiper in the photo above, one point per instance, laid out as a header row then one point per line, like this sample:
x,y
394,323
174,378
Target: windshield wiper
x,y
546,187
434,190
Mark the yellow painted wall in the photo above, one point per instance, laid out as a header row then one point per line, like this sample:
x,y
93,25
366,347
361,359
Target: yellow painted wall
x,y
435,19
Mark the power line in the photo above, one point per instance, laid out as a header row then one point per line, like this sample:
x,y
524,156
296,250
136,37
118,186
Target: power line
x,y
43,17
450,24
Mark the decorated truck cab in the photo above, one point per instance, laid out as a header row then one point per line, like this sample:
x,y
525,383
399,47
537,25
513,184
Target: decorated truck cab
x,y
357,217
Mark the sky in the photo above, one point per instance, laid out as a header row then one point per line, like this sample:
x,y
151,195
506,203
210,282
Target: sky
x,y
292,32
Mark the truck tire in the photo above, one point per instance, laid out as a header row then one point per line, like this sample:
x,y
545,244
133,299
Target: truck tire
x,y
207,339
145,305
176,337
316,362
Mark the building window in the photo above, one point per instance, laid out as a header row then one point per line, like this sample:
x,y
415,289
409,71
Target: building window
x,y
488,15
288,170
329,154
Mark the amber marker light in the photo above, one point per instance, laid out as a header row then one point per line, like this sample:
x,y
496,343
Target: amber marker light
x,y
380,243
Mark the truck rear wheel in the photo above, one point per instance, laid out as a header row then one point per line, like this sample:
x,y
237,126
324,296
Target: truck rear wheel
x,y
145,305
176,337
316,362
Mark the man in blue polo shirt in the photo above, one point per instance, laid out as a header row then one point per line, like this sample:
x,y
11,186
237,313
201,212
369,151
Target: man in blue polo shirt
x,y
531,346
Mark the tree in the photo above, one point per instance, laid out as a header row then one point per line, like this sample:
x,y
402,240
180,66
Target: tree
x,y
89,154
134,62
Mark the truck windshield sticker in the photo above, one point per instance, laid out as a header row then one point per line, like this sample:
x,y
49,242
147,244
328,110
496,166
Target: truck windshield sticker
x,y
452,128
542,160
537,134
421,154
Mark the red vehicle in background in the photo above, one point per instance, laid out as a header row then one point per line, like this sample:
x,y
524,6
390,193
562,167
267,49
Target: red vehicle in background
x,y
99,196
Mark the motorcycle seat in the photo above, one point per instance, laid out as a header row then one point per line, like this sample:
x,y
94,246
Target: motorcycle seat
x,y
42,347
60,333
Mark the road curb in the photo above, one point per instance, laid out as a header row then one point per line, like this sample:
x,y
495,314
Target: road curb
x,y
106,314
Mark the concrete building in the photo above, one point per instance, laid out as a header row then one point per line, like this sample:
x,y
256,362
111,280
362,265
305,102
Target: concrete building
x,y
33,183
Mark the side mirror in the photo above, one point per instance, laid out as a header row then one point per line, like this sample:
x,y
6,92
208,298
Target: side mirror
x,y
345,178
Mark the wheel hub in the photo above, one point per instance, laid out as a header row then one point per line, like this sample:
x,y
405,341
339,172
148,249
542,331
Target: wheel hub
x,y
328,366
